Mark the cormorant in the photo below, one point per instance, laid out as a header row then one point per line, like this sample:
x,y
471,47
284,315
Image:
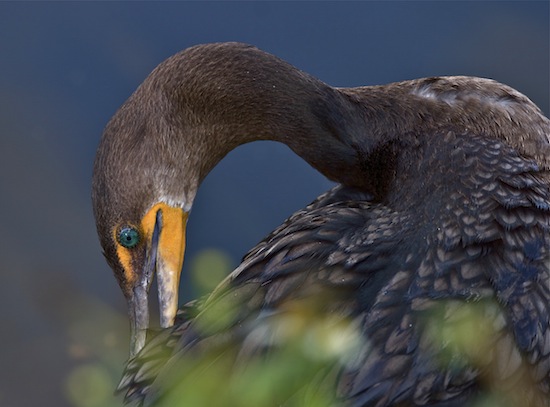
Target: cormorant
x,y
442,204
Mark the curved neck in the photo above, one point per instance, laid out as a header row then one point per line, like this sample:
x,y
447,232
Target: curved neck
x,y
205,101
209,107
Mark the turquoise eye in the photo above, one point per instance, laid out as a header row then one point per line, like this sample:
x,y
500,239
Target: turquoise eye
x,y
128,237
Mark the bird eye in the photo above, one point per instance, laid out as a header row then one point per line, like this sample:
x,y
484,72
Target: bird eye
x,y
128,237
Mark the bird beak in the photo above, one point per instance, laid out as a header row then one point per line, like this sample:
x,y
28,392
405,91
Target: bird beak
x,y
164,226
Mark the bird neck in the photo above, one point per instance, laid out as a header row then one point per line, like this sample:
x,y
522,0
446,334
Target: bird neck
x,y
217,100
320,124
211,106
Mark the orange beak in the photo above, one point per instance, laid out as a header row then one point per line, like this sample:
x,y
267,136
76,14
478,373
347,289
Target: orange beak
x,y
164,228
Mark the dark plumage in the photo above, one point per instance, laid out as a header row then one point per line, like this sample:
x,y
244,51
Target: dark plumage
x,y
443,207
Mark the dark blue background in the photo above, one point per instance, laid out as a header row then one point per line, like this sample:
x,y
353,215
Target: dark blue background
x,y
66,67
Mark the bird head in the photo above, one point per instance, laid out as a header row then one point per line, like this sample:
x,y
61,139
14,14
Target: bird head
x,y
141,201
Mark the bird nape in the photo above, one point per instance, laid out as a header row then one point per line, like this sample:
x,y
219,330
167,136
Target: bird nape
x,y
421,279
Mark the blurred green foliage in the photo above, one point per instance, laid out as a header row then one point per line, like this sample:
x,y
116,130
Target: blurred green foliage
x,y
208,268
307,347
89,385
474,336
98,338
